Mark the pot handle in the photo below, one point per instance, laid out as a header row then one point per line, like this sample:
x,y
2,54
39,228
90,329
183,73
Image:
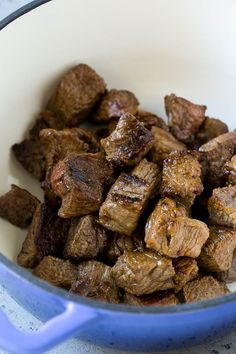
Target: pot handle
x,y
53,332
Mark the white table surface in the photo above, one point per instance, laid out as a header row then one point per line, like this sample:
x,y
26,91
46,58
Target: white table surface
x,y
23,320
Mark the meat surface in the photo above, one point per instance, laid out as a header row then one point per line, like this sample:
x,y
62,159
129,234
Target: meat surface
x,y
56,271
114,103
204,288
145,272
128,143
181,177
228,276
185,117
128,197
230,170
18,206
46,236
160,298
77,93
94,280
163,144
210,129
150,120
186,269
79,180
222,206
86,238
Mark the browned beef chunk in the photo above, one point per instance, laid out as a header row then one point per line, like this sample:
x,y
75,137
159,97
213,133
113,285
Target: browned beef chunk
x,y
56,271
114,103
222,206
160,298
164,143
86,238
128,143
79,180
229,276
217,253
181,177
210,129
128,197
94,279
185,117
186,269
230,170
217,152
46,236
204,288
18,206
143,272
77,93
150,120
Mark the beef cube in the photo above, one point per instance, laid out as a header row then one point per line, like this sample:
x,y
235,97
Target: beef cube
x,y
181,177
114,103
56,271
128,197
79,180
164,143
229,276
128,143
222,207
77,93
150,120
185,117
217,253
145,272
217,152
46,236
186,269
18,206
204,288
160,298
230,170
94,280
86,238
210,129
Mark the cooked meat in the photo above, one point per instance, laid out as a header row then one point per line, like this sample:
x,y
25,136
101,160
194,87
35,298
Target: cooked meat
x,y
128,197
18,206
222,206
217,253
186,269
128,143
86,238
143,272
216,153
164,143
160,298
203,289
114,103
181,177
185,117
79,180
46,236
77,93
229,276
150,120
230,170
94,279
56,271
210,129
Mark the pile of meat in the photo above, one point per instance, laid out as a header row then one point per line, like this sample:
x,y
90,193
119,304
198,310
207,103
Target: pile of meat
x,y
135,211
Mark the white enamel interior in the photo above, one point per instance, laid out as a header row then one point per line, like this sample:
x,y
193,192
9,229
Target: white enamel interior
x,y
152,47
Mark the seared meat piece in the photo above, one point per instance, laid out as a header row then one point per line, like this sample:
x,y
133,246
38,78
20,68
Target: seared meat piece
x,y
77,93
94,279
210,129
185,117
56,271
229,276
186,269
217,253
164,143
216,153
86,238
230,170
150,120
204,288
128,197
46,236
18,206
160,298
128,143
143,272
222,206
114,103
181,177
79,180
